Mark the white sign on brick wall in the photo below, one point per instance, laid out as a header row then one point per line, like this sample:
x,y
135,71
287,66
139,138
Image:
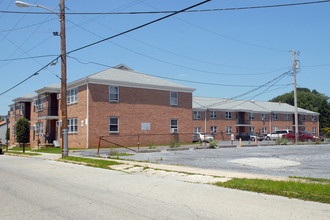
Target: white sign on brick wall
x,y
145,126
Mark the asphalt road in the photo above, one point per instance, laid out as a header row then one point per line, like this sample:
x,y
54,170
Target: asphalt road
x,y
284,161
33,188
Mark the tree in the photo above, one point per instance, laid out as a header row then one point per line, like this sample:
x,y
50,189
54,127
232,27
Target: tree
x,y
23,132
7,134
310,100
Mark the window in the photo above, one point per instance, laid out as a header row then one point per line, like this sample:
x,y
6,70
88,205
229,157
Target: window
x,y
72,96
303,117
14,110
252,129
264,130
174,99
251,116
21,109
228,115
40,104
113,124
13,131
197,115
213,115
314,117
72,125
264,117
275,116
287,117
198,129
314,130
174,125
287,128
113,94
303,128
275,128
214,129
40,128
228,130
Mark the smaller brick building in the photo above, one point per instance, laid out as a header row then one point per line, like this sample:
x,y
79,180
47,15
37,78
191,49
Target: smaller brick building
x,y
225,117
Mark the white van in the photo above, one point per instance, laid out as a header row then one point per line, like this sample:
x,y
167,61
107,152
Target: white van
x,y
277,134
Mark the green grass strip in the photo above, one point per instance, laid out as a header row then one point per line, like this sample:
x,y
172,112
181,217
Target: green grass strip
x,y
21,153
320,180
317,192
50,150
92,162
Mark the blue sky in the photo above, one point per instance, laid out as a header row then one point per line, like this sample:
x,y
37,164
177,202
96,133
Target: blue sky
x,y
233,49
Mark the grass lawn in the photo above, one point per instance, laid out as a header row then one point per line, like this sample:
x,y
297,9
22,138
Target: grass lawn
x,y
318,191
17,152
92,162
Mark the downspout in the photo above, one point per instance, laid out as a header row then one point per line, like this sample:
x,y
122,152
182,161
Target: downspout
x,y
87,119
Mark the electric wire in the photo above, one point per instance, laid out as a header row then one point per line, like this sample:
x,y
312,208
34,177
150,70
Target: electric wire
x,y
138,27
168,12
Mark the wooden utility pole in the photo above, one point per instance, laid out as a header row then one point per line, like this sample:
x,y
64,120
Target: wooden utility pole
x,y
63,82
295,97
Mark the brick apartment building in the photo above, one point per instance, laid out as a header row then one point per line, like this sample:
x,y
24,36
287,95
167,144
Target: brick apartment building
x,y
224,117
131,108
125,106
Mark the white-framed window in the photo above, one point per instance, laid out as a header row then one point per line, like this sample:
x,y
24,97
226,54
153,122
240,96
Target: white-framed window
x,y
174,126
264,117
39,103
174,98
303,117
214,129
287,117
314,130
314,117
228,115
213,114
251,116
73,125
275,116
252,129
197,115
21,108
264,130
39,128
113,93
72,96
275,128
113,124
228,130
197,129
13,131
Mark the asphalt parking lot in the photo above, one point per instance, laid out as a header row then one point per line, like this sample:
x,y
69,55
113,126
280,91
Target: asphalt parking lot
x,y
284,160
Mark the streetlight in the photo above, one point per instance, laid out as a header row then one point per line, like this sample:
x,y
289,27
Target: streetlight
x,y
61,16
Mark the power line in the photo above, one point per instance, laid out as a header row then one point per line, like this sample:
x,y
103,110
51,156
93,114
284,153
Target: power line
x,y
181,80
167,12
29,77
138,27
26,58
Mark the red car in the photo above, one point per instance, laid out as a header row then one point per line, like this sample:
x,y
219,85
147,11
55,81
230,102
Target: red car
x,y
303,136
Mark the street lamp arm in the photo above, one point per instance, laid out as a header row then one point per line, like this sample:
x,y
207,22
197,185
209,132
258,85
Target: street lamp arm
x,y
21,4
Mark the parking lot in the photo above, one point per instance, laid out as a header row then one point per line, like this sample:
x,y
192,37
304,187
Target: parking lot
x,y
279,160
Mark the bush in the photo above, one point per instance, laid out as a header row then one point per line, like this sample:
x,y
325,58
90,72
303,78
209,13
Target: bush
x,y
23,131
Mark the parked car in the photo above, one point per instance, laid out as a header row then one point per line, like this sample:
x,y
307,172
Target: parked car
x,y
277,134
303,136
249,136
202,137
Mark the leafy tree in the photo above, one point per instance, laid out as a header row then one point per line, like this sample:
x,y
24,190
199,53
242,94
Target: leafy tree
x,y
310,100
23,132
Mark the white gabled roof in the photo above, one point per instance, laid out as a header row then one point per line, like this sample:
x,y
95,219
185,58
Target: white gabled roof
x,y
202,103
122,75
26,98
54,88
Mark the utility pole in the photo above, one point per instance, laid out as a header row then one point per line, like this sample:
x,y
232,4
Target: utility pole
x,y
63,82
295,96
